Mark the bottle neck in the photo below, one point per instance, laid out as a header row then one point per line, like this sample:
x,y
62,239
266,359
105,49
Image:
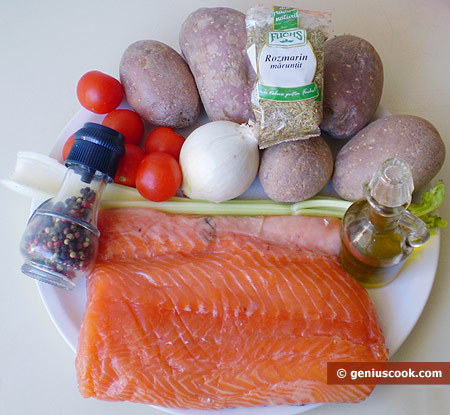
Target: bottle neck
x,y
80,193
383,217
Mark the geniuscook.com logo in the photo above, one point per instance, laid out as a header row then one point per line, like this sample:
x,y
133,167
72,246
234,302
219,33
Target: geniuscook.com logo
x,y
287,38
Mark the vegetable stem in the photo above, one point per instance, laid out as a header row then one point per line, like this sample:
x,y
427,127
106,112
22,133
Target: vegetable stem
x,y
310,207
197,207
40,176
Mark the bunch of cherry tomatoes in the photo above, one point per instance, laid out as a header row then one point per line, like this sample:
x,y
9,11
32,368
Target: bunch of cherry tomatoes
x,y
154,169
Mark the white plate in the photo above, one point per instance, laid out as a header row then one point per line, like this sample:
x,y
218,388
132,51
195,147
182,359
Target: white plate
x,y
398,305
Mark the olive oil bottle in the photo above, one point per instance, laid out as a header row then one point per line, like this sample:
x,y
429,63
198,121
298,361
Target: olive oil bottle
x,y
378,232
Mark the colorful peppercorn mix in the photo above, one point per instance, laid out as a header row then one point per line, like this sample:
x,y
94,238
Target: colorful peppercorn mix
x,y
60,237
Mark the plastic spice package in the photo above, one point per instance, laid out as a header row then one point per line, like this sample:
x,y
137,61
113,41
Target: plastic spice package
x,y
286,47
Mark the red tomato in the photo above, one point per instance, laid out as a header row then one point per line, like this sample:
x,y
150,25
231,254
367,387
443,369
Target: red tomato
x,y
126,122
166,140
158,177
68,146
99,92
126,172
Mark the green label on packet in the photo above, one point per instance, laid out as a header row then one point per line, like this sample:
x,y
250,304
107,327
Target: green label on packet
x,y
319,96
285,18
288,94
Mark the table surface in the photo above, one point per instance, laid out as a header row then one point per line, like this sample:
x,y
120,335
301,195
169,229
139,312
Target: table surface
x,y
47,45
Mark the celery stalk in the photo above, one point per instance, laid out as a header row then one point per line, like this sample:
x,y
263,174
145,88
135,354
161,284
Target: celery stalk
x,y
40,176
232,208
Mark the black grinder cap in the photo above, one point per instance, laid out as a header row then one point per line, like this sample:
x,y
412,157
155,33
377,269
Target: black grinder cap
x,y
97,147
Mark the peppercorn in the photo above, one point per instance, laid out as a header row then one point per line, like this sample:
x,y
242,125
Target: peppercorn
x,y
60,242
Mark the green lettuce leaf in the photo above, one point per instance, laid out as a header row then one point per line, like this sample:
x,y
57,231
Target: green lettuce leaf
x,y
429,202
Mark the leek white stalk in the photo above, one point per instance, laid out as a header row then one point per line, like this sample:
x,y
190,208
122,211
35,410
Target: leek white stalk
x,y
219,161
39,177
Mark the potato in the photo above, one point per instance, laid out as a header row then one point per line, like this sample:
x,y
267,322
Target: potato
x,y
159,85
407,137
353,83
213,41
296,170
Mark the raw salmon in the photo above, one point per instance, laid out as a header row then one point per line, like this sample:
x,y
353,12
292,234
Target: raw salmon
x,y
208,313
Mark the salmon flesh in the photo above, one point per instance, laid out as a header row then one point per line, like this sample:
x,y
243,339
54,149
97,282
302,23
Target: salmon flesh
x,y
218,312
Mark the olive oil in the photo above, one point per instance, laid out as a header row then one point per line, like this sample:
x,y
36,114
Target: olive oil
x,y
378,233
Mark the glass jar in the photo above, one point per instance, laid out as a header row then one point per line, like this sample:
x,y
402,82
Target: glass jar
x,y
61,239
378,232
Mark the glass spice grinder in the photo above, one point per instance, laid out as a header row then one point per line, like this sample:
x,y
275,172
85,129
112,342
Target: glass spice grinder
x,y
61,239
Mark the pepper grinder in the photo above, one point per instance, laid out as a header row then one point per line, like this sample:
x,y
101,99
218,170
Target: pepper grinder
x,y
60,242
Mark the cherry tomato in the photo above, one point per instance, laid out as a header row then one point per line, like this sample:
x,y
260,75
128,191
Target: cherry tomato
x,y
126,122
166,140
126,172
158,177
68,146
99,92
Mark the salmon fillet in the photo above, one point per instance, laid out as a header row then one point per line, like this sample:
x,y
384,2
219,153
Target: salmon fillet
x,y
209,313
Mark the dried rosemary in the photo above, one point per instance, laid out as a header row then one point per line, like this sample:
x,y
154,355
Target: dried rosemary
x,y
286,48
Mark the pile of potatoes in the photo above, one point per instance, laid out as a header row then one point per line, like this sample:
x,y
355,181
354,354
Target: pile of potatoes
x,y
166,88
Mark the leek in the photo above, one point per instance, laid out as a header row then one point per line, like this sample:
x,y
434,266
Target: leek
x,y
39,177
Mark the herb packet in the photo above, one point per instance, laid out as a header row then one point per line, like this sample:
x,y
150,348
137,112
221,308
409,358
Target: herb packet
x,y
286,47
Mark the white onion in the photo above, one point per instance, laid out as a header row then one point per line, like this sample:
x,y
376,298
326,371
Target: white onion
x,y
219,161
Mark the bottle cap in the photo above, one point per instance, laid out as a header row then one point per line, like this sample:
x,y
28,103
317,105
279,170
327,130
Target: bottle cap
x,y
97,147
392,185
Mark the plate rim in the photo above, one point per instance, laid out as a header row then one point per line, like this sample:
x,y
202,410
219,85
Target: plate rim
x,y
55,307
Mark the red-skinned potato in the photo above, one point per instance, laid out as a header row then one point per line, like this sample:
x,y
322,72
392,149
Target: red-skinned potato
x,y
213,41
159,85
296,170
353,84
407,137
